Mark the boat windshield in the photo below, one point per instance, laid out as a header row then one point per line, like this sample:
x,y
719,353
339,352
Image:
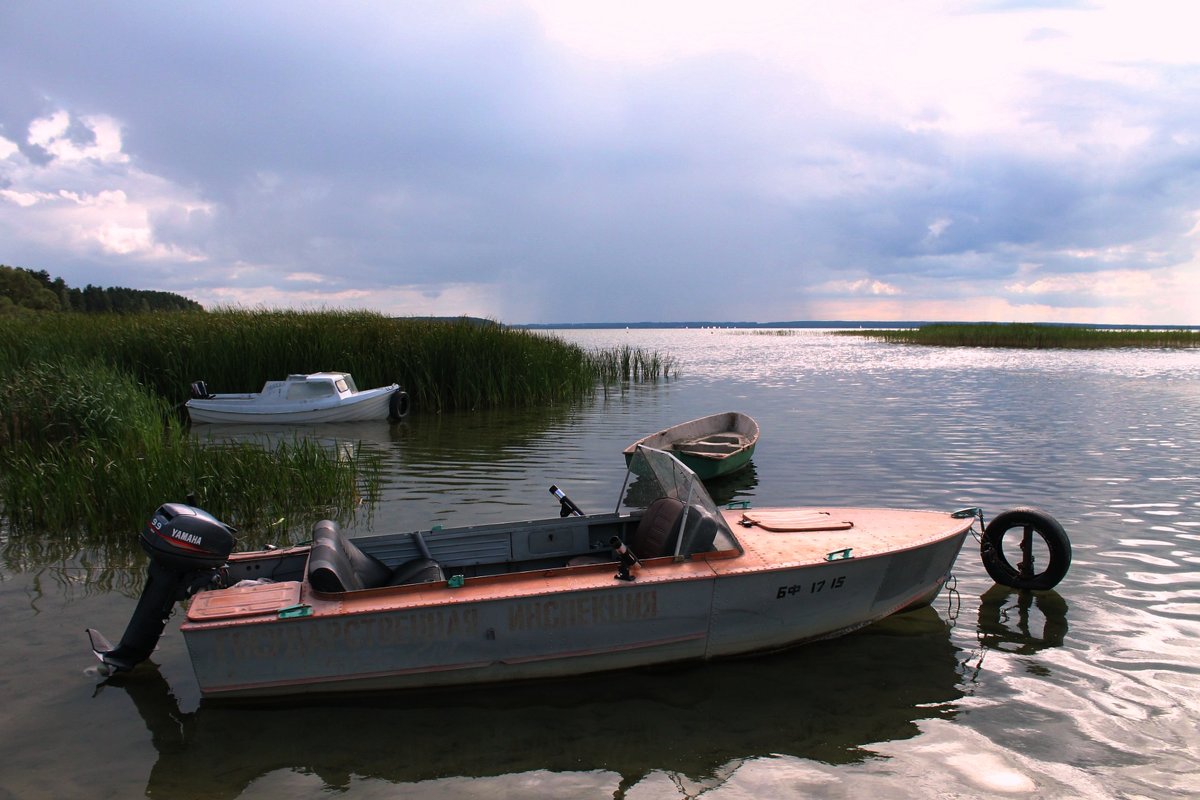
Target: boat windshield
x,y
656,473
309,390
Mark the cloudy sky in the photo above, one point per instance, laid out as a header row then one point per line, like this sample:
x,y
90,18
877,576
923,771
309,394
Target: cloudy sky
x,y
625,160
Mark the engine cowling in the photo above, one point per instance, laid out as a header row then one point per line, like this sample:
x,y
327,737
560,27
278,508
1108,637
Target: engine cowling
x,y
183,537
187,547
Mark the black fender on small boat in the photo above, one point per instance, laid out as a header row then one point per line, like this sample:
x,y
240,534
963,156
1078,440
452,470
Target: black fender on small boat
x,y
398,406
1025,574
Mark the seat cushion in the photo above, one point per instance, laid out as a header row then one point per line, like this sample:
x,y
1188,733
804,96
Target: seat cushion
x,y
335,564
419,570
700,532
657,530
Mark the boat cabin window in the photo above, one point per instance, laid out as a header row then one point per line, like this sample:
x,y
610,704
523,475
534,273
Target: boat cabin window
x,y
310,390
346,384
341,385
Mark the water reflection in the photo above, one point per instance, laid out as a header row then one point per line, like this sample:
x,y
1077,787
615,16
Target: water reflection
x,y
341,439
1008,620
827,702
730,488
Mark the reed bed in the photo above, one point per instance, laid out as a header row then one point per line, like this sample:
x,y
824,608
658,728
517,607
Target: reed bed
x,y
1031,336
87,452
761,331
93,438
443,365
630,364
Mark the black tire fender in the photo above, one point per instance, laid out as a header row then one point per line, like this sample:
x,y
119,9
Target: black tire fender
x,y
398,406
1024,575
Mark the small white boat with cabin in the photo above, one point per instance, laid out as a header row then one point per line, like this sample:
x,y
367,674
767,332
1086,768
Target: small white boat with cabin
x,y
299,399
675,579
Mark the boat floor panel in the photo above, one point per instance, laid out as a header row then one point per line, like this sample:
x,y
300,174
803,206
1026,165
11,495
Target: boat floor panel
x,y
247,601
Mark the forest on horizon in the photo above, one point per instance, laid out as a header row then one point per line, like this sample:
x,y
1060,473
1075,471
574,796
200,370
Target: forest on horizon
x,y
34,291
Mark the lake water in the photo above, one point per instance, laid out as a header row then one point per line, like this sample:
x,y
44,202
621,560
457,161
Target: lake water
x,y
1092,690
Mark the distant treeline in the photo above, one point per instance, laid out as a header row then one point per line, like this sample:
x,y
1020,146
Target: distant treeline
x,y
25,290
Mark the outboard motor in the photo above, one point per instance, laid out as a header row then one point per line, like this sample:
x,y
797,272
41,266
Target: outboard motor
x,y
187,548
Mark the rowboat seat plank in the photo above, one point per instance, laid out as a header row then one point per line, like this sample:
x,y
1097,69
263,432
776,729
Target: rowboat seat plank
x,y
706,448
725,438
713,445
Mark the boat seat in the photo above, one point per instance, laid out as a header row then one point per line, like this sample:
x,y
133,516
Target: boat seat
x,y
421,569
418,570
657,529
701,532
335,564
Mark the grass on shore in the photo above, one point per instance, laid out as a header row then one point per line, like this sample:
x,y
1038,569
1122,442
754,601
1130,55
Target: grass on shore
x,y
1030,336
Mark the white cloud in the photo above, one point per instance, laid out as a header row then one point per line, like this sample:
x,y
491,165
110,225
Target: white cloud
x,y
863,286
87,198
924,64
306,277
25,199
1174,290
102,141
938,227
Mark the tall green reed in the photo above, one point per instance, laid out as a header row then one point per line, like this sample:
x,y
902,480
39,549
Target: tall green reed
x,y
443,364
87,452
630,364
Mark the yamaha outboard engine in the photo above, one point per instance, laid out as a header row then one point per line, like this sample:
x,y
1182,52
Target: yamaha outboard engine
x,y
187,548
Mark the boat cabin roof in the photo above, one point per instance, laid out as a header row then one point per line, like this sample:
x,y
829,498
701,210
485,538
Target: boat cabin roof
x,y
317,376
